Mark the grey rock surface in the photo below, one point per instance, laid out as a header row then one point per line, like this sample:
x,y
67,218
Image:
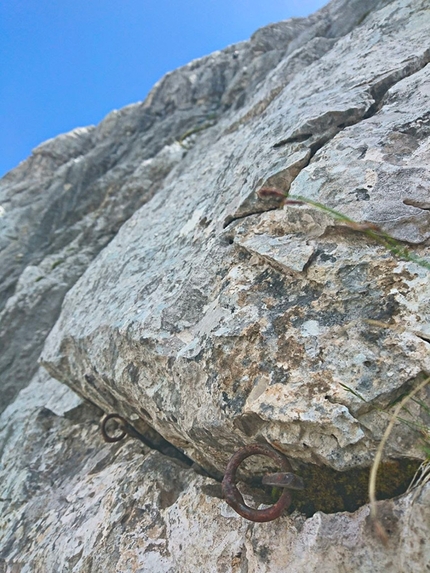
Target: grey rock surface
x,y
72,503
60,208
219,323
64,204
160,285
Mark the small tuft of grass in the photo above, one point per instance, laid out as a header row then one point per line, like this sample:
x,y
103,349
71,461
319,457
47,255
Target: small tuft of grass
x,y
57,264
369,229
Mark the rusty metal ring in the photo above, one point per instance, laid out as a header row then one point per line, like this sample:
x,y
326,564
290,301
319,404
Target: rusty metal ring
x,y
233,496
122,423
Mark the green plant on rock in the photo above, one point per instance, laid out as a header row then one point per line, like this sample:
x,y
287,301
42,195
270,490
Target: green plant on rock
x,y
370,229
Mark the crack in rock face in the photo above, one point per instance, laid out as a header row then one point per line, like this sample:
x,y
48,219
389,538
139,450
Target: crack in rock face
x,y
166,290
72,502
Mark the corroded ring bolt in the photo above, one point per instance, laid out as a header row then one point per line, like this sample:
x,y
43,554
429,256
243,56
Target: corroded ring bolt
x,y
285,479
122,422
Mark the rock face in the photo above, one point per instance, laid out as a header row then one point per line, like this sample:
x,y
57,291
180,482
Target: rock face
x,y
219,324
73,503
182,300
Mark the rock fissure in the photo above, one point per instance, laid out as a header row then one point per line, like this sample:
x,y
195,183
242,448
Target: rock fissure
x,y
423,337
154,441
381,88
378,93
333,492
325,489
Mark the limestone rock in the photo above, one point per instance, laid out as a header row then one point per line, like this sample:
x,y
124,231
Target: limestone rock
x,y
176,296
47,240
73,503
64,204
218,323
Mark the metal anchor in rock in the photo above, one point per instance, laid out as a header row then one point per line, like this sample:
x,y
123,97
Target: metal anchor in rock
x,y
126,429
285,479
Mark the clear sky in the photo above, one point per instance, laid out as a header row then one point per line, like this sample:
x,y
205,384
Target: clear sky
x,y
67,63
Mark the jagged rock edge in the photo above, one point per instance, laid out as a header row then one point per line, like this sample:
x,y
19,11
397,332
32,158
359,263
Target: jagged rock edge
x,y
378,91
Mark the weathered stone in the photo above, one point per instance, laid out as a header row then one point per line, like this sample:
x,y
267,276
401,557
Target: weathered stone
x,y
200,316
49,239
70,502
217,317
66,202
377,171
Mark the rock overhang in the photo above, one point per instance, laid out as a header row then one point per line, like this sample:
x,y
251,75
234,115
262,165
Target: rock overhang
x,y
206,311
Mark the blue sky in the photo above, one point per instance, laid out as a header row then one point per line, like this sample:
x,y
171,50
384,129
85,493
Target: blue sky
x,y
67,63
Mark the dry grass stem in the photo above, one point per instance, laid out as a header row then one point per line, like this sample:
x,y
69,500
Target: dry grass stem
x,y
379,529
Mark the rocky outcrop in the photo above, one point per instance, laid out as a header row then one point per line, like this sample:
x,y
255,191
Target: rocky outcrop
x,y
74,503
218,317
258,318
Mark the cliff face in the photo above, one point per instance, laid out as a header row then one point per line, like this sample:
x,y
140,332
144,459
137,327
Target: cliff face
x,y
181,299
